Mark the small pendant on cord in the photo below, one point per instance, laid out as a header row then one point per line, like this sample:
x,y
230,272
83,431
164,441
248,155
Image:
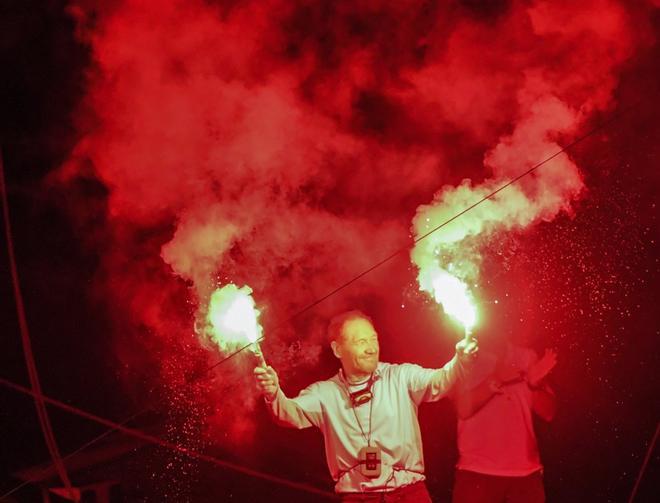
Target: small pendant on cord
x,y
369,458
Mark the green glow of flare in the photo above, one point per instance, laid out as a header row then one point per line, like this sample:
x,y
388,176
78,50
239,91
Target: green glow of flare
x,y
232,316
455,297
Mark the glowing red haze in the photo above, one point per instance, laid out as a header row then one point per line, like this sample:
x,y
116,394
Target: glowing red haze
x,y
287,145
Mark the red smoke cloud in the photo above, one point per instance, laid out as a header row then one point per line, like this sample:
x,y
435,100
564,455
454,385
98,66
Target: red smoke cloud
x,y
286,145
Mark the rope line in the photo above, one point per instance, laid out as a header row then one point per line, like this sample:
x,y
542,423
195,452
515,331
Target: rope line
x,y
37,476
152,439
644,464
42,413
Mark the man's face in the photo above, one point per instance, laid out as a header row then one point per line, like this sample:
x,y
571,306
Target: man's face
x,y
357,348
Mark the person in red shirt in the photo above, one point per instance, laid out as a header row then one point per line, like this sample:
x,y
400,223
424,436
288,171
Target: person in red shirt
x,y
498,453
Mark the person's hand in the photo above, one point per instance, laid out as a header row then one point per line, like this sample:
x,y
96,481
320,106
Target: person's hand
x,y
541,368
267,381
467,349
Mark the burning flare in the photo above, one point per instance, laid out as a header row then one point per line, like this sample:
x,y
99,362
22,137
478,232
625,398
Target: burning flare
x,y
454,295
232,318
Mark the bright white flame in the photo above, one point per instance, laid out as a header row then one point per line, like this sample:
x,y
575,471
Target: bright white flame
x,y
452,293
232,317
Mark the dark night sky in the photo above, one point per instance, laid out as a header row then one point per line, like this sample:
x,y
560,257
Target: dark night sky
x,y
607,379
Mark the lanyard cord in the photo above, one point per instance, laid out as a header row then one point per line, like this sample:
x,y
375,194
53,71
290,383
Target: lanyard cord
x,y
370,385
371,406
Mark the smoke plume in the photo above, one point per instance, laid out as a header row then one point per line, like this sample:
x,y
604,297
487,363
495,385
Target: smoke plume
x,y
286,145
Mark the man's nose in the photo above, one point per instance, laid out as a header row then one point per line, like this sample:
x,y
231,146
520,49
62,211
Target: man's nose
x,y
372,350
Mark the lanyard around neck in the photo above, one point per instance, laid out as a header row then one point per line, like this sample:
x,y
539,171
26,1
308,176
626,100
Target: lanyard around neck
x,y
370,383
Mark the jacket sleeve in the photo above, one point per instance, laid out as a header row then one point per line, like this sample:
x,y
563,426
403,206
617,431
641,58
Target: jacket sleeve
x,y
430,385
300,412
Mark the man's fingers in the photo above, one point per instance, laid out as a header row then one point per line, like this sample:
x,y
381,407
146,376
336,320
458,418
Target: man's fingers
x,y
266,380
467,345
258,371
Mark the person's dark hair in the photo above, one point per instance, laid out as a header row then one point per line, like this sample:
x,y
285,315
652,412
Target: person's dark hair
x,y
337,323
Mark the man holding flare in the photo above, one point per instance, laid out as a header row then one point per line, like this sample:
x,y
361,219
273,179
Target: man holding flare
x,y
367,412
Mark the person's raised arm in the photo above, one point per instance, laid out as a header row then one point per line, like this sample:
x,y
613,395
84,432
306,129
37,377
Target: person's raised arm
x,y
302,411
432,384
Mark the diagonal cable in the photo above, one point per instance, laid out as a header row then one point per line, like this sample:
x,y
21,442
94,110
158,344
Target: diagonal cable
x,y
44,420
153,439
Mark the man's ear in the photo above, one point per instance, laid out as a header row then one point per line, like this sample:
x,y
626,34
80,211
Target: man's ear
x,y
336,349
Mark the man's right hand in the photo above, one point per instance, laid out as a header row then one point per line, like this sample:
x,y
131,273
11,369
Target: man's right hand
x,y
267,381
